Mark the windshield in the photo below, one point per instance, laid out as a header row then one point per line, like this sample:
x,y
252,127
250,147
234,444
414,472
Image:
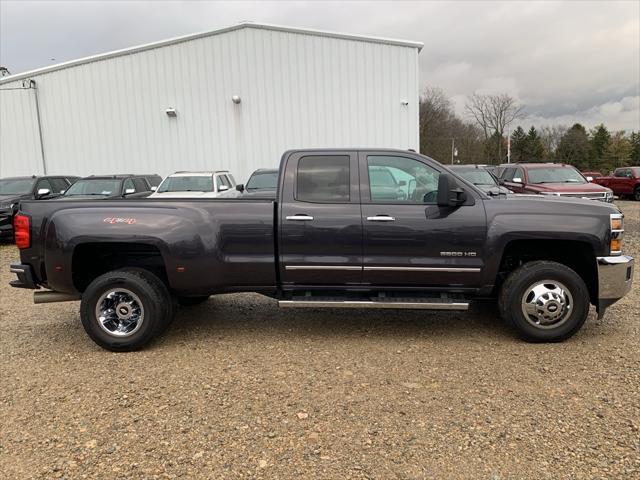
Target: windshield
x,y
477,176
100,187
196,183
16,186
555,175
263,181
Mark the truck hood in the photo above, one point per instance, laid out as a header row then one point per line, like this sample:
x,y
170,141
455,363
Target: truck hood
x,y
12,198
567,187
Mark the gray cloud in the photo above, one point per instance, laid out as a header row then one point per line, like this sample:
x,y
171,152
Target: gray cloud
x,y
566,61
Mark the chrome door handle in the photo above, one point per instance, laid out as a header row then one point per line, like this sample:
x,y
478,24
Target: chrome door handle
x,y
300,217
381,218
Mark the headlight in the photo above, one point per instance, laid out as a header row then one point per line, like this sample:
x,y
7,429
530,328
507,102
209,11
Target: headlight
x,y
7,205
616,221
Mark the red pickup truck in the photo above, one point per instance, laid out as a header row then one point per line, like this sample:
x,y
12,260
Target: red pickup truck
x,y
625,181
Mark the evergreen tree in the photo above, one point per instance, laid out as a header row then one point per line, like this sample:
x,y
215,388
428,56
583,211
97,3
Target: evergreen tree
x,y
518,145
535,148
634,158
574,147
600,139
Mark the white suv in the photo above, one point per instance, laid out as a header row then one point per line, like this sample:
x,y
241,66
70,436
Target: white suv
x,y
196,184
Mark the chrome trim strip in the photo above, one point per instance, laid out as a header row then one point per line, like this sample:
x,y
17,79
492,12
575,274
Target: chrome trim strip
x,y
17,270
371,304
381,218
322,267
385,269
423,269
300,218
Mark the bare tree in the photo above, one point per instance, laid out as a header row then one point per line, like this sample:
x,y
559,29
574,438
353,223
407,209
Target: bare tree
x,y
493,114
551,135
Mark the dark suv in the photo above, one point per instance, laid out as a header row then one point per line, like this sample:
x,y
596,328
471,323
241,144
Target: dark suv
x,y
556,179
109,186
15,189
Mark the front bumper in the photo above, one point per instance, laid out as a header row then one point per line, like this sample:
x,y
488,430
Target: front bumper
x,y
615,276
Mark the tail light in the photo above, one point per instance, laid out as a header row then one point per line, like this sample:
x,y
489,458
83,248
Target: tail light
x,y
22,231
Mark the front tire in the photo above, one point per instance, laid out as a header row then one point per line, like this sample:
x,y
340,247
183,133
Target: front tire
x,y
544,301
124,310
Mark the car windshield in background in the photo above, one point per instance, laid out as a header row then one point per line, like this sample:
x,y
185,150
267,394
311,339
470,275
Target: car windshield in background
x,y
555,175
263,181
196,183
97,187
16,186
477,176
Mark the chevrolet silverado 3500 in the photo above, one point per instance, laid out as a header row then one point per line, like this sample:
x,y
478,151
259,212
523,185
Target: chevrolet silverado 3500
x,y
336,234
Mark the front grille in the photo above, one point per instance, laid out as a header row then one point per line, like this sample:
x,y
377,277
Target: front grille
x,y
601,196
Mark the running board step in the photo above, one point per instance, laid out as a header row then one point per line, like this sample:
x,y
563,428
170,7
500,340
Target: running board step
x,y
398,303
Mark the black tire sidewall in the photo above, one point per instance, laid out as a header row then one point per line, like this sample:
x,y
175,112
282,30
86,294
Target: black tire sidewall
x,y
155,310
547,271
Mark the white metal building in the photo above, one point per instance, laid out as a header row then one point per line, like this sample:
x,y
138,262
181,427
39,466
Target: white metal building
x,y
242,95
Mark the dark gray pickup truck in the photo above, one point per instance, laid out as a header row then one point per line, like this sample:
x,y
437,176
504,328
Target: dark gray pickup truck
x,y
348,229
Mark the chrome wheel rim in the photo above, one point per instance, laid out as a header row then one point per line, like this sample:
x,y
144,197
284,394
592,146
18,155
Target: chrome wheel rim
x,y
119,312
547,304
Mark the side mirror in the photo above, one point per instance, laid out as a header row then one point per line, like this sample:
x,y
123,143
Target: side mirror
x,y
517,180
449,192
153,188
223,188
240,187
589,179
402,183
129,191
42,192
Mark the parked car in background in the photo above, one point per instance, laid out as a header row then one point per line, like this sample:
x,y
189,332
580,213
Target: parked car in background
x,y
263,180
591,175
15,189
481,177
109,187
552,179
625,182
196,184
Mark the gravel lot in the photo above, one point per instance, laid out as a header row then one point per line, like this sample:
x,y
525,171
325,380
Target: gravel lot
x,y
240,389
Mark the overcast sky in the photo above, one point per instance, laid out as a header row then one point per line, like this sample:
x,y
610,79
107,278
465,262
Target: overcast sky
x,y
565,61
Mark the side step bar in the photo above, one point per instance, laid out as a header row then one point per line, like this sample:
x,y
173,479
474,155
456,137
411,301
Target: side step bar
x,y
409,304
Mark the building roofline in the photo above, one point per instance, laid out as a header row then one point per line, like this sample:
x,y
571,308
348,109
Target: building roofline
x,y
195,36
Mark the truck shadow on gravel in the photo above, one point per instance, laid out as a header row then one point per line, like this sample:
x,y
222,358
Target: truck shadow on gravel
x,y
233,315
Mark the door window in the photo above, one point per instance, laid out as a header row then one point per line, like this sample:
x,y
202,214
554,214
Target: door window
x,y
519,173
140,185
59,185
401,179
128,185
323,179
44,184
222,180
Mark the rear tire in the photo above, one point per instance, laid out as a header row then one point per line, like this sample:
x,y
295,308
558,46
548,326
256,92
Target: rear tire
x,y
636,193
192,301
123,310
544,301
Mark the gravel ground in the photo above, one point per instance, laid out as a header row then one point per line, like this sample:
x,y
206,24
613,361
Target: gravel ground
x,y
240,389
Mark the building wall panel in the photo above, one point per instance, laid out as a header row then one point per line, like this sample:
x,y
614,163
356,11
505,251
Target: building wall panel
x,y
298,91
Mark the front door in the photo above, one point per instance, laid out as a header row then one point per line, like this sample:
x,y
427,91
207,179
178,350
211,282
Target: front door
x,y
320,221
407,239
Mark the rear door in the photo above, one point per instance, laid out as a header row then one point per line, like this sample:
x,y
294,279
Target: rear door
x,y
320,220
408,241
